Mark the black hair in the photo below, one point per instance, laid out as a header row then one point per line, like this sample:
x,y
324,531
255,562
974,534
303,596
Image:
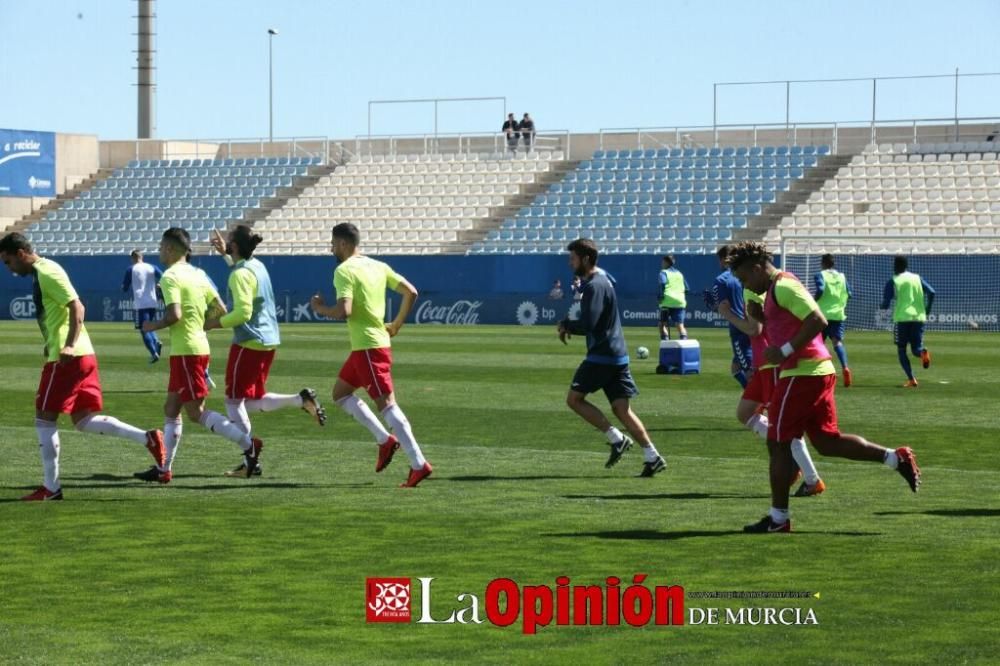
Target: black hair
x,y
747,252
899,264
136,254
14,242
826,261
348,232
668,259
179,238
723,252
245,240
584,247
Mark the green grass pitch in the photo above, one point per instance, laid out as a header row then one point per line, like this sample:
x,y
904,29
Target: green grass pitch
x,y
272,570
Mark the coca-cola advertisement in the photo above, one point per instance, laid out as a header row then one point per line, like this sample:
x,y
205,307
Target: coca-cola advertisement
x,y
461,312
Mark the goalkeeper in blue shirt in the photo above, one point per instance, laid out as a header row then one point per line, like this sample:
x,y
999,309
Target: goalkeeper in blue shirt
x,y
726,297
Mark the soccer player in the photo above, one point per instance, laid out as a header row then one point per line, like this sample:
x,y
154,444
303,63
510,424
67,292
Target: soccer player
x,y
254,320
832,293
606,366
141,279
914,298
70,382
803,399
757,394
360,283
186,296
672,299
727,296
212,294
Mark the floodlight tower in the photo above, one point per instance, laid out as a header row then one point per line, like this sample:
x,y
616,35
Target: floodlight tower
x,y
145,65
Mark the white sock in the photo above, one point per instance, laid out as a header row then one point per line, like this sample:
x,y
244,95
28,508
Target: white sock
x,y
365,416
273,401
759,424
99,424
804,461
173,428
614,435
779,515
48,443
237,412
400,425
649,453
891,459
220,425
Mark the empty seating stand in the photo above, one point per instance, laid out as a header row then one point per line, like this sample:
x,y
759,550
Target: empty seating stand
x,y
945,195
403,204
132,208
685,200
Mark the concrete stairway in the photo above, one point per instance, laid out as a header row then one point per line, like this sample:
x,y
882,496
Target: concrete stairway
x,y
282,195
511,206
60,200
814,180
270,204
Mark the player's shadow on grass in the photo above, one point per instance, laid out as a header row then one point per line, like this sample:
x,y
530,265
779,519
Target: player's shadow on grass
x,y
127,392
275,484
552,477
950,513
647,535
116,481
10,500
696,429
73,485
99,477
668,496
654,535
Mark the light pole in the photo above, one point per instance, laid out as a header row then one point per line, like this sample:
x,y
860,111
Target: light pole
x,y
271,32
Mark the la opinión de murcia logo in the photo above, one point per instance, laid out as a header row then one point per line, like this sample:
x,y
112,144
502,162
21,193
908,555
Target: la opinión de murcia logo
x,y
506,602
614,602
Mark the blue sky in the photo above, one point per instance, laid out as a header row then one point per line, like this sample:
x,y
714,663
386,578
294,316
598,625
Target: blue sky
x,y
66,65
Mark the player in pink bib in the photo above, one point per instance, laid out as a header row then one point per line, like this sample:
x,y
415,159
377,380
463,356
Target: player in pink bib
x,y
802,402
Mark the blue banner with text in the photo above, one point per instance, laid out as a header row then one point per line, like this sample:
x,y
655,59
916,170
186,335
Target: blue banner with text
x,y
27,163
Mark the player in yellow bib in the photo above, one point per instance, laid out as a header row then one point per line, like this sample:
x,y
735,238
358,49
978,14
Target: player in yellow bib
x,y
914,298
673,300
832,293
70,382
361,283
187,295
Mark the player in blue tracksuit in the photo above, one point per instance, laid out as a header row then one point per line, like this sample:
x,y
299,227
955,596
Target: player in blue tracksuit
x,y
727,296
605,367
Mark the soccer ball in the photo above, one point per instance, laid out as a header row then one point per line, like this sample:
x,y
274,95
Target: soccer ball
x,y
973,325
642,352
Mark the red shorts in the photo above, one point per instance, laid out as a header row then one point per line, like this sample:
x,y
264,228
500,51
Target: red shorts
x,y
370,369
803,405
70,387
246,372
187,377
761,385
